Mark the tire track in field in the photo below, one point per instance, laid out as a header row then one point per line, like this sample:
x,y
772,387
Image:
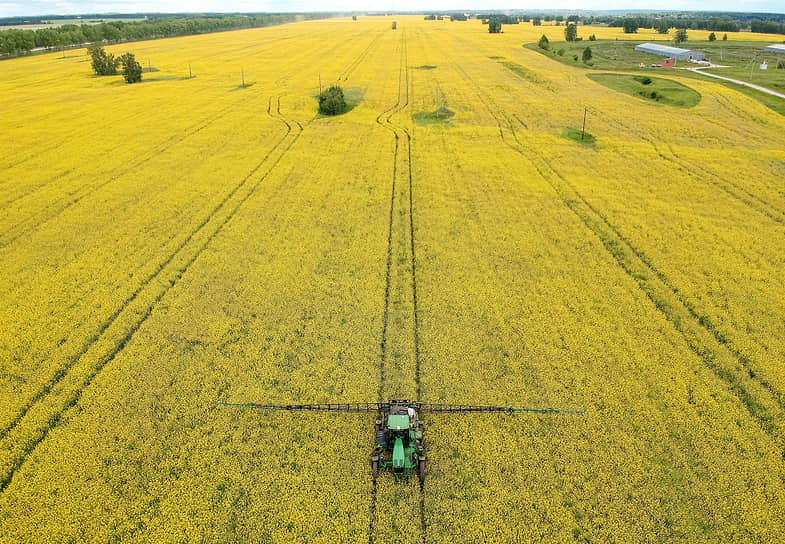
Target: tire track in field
x,y
302,55
60,205
703,320
273,44
770,212
360,59
698,173
169,142
62,372
175,266
402,137
734,190
763,402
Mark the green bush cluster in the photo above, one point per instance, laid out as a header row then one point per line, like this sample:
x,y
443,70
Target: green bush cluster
x,y
332,101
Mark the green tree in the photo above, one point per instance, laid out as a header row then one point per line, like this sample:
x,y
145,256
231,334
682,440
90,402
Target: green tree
x,y
494,26
680,36
587,54
544,43
662,26
132,70
592,38
630,25
536,21
332,101
394,25
712,37
571,32
725,38
104,64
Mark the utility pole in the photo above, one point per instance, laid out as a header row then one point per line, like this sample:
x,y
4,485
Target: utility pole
x,y
583,130
189,71
242,75
320,84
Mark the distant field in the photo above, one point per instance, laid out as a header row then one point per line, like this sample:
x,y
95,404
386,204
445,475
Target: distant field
x,y
169,245
60,22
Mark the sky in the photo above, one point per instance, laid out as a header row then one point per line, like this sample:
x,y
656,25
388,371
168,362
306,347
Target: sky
x,y
50,7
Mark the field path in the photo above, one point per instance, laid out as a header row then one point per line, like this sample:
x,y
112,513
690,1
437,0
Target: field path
x,y
736,81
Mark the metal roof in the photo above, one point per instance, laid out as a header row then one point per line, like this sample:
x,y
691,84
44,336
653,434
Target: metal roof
x,y
668,51
775,48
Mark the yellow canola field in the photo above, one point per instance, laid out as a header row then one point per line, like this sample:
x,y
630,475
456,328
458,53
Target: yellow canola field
x,y
182,242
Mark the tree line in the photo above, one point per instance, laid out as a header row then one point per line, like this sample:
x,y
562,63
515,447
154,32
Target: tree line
x,y
20,41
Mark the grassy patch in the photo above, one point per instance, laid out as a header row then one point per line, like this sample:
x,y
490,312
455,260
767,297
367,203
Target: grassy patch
x,y
574,134
496,57
739,56
444,117
425,67
652,89
240,87
523,72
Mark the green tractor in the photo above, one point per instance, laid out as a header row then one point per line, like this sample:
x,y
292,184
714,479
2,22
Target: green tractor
x,y
400,443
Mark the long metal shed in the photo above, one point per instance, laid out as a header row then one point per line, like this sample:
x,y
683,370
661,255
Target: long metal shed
x,y
775,48
671,52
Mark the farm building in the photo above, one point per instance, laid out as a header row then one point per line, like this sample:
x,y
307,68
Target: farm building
x,y
776,48
668,51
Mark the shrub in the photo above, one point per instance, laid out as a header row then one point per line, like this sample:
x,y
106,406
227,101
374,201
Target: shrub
x,y
104,64
592,38
332,101
712,37
587,54
560,52
544,43
781,65
132,70
643,80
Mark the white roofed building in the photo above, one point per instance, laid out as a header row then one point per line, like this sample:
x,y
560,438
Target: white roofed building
x,y
670,52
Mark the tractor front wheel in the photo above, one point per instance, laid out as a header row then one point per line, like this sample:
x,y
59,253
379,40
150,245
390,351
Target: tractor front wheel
x,y
375,466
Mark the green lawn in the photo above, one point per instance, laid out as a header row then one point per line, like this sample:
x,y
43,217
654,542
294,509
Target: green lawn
x,y
618,55
655,90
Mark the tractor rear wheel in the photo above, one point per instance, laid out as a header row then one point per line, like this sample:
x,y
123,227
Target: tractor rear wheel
x,y
375,466
421,470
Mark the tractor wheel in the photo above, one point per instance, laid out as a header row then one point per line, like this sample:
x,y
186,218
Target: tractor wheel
x,y
375,466
421,470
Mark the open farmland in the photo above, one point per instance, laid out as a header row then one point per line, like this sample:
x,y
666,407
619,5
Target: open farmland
x,y
170,245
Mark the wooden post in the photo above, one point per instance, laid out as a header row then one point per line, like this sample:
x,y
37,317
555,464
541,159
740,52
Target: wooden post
x,y
242,75
189,72
583,130
320,84
149,69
